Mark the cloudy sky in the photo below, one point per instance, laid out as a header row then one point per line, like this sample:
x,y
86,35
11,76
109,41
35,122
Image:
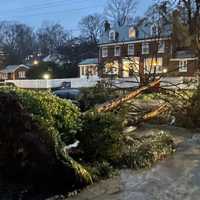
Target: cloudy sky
x,y
66,12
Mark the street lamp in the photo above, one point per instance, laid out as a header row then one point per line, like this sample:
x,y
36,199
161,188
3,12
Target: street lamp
x,y
35,62
46,77
164,70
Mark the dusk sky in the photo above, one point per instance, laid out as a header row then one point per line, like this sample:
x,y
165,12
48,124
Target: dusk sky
x,y
66,12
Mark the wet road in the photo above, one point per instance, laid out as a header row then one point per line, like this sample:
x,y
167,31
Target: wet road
x,y
177,178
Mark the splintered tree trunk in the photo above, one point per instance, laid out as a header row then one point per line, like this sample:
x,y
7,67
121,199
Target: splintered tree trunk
x,y
163,108
113,104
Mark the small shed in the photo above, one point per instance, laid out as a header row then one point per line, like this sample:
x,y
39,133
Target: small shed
x,y
13,72
89,68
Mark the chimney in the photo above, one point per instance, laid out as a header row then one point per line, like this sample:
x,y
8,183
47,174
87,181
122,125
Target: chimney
x,y
106,26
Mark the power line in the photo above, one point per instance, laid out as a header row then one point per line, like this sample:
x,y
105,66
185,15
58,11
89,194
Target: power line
x,y
57,12
45,5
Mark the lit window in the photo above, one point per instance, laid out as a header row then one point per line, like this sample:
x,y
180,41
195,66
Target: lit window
x,y
104,52
117,51
112,68
132,33
161,47
183,66
131,49
131,66
22,74
145,48
153,65
112,35
154,30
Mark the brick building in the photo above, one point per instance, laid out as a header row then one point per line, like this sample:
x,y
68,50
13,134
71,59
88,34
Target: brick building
x,y
125,51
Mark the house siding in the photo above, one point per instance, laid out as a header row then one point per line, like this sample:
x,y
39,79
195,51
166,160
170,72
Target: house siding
x,y
167,55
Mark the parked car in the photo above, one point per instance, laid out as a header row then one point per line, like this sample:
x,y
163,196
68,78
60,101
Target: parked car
x,y
69,94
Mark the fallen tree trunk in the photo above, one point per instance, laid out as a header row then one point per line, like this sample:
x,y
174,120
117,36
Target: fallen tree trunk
x,y
163,108
113,104
140,116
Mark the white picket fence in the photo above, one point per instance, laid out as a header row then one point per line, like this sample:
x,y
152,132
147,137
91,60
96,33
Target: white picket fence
x,y
171,82
53,83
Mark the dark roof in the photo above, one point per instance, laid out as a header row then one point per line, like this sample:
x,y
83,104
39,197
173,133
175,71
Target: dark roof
x,y
143,31
89,61
12,68
184,54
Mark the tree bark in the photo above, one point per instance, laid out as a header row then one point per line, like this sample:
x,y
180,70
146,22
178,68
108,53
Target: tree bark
x,y
155,113
113,104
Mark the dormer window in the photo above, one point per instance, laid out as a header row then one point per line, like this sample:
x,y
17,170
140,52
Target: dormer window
x,y
154,29
132,33
112,35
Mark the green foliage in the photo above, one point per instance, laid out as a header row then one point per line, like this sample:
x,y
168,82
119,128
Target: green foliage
x,y
100,170
57,115
32,152
93,96
188,116
100,136
147,150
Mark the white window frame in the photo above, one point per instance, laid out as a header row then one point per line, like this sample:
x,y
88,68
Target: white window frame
x,y
112,35
161,46
104,52
145,46
183,66
117,54
131,51
22,74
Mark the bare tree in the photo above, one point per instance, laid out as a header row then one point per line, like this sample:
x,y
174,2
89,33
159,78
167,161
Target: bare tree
x,y
91,27
120,11
17,40
51,37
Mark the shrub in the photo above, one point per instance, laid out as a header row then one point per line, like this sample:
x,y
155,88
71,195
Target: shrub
x,y
33,154
146,151
100,136
189,116
54,113
101,170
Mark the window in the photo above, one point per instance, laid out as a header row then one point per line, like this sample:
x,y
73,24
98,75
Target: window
x,y
183,66
112,35
153,65
4,76
132,33
117,51
104,52
161,47
154,30
130,66
145,48
131,49
22,74
112,68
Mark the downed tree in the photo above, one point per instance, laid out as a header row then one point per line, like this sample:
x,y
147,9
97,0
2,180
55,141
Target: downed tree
x,y
113,104
33,155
